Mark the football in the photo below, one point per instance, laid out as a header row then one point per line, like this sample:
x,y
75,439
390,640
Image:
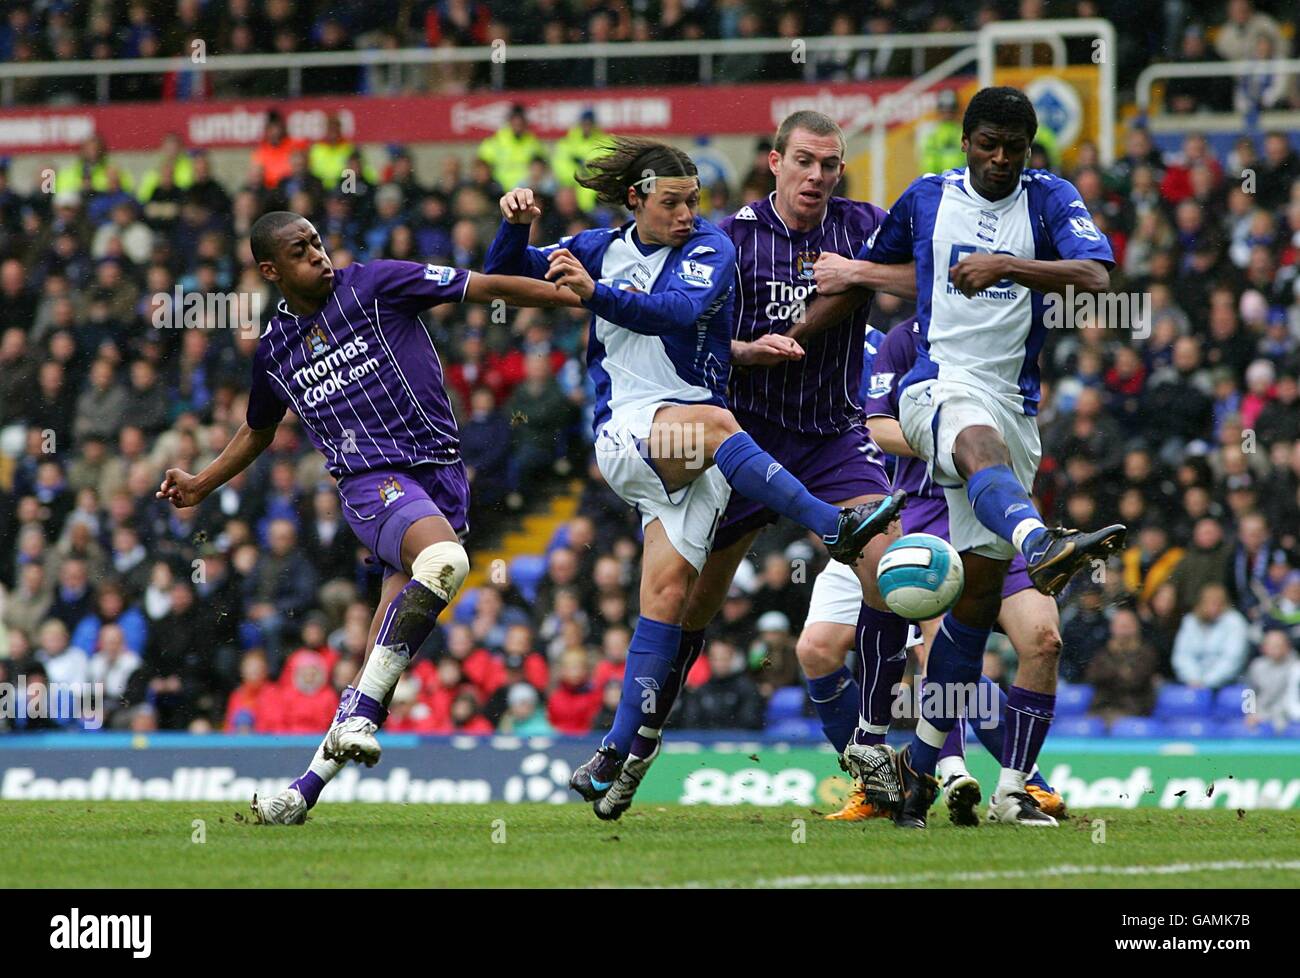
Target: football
x,y
920,576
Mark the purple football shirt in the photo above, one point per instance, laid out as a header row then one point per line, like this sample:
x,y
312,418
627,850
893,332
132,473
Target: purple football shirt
x,y
362,373
774,280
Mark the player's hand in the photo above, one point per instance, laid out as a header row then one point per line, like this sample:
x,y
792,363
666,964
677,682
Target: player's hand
x,y
180,489
519,207
567,270
834,273
977,272
766,351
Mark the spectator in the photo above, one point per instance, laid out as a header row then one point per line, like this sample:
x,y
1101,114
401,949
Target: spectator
x,y
1084,630
307,702
510,149
524,717
102,409
65,665
730,700
111,608
271,161
1274,677
541,416
466,717
114,664
575,700
1211,647
255,705
280,587
1123,673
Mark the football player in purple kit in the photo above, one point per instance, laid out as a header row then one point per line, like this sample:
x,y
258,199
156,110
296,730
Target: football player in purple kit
x,y
661,289
1029,619
347,352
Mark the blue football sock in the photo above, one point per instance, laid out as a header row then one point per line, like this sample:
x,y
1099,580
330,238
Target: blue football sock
x,y
650,658
954,667
989,730
752,472
692,643
1002,505
835,698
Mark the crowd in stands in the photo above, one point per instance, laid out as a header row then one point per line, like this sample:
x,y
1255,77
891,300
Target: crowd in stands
x,y
105,30
250,612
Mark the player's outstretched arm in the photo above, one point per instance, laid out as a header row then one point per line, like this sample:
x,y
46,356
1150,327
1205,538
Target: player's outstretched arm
x,y
974,273
835,273
518,291
183,490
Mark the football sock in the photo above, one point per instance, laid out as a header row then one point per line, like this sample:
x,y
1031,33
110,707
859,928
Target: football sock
x,y
952,756
755,474
955,658
322,771
882,650
647,735
990,730
410,619
835,698
1028,718
650,659
1002,505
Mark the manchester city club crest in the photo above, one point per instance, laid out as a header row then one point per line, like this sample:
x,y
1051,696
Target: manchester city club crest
x,y
803,264
316,341
390,489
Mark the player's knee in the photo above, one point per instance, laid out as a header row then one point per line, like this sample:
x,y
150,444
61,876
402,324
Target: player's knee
x,y
817,655
441,567
1045,646
718,425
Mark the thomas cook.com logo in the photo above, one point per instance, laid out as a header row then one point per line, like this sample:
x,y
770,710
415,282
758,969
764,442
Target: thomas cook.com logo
x,y
75,931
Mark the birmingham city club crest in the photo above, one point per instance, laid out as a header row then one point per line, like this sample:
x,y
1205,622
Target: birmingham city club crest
x,y
803,264
390,489
316,341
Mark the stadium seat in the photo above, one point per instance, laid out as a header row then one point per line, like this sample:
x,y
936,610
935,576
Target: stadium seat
x,y
465,608
1072,700
794,728
1137,727
559,539
1175,702
1191,728
1078,726
1227,702
1239,728
526,573
786,702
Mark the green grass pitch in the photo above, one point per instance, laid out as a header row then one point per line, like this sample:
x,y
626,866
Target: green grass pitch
x,y
155,844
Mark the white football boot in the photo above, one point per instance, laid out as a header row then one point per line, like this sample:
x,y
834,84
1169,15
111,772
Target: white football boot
x,y
352,740
287,808
1017,808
